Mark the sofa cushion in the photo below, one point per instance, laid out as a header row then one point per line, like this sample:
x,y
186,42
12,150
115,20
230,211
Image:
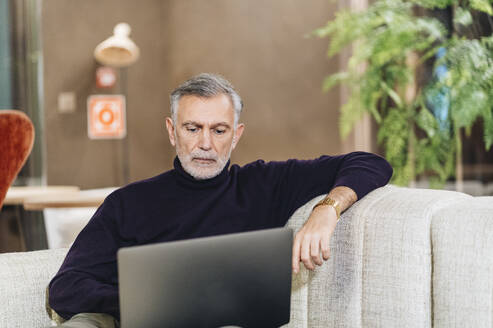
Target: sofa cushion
x,y
23,281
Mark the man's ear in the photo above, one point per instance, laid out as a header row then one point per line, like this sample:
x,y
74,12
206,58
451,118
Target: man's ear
x,y
171,131
239,131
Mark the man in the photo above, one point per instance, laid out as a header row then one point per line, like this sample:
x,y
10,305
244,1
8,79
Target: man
x,y
203,196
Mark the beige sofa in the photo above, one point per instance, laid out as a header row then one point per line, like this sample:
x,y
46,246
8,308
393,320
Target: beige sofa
x,y
400,257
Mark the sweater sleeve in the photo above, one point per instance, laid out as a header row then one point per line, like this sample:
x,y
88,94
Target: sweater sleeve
x,y
363,172
87,280
295,182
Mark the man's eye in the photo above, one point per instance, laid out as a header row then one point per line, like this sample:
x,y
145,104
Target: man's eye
x,y
191,129
218,131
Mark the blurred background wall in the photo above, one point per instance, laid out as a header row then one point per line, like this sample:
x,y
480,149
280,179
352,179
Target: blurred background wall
x,y
260,46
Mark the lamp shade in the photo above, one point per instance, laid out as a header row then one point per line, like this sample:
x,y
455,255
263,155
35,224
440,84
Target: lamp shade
x,y
118,50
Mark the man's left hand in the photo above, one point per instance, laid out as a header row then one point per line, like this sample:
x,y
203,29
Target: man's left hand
x,y
311,243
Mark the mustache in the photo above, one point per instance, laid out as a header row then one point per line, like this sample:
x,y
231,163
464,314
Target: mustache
x,y
204,155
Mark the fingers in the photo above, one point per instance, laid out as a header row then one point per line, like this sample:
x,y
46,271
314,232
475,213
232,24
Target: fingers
x,y
305,253
315,251
309,249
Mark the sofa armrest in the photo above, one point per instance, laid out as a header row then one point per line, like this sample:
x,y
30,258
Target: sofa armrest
x,y
23,280
463,264
380,269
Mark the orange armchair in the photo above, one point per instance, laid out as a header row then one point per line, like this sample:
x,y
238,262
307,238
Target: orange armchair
x,y
16,143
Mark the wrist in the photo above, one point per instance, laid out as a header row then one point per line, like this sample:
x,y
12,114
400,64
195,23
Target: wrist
x,y
329,203
326,211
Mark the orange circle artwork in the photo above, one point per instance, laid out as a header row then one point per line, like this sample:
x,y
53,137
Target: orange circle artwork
x,y
106,117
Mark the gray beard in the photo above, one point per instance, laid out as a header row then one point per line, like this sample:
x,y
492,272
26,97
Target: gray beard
x,y
202,172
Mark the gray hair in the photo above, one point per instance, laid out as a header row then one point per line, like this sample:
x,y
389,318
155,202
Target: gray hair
x,y
206,85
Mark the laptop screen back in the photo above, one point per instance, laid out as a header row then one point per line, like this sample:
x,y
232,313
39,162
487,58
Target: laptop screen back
x,y
241,279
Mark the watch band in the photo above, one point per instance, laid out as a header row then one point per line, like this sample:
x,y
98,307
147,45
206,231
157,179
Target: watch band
x,y
330,202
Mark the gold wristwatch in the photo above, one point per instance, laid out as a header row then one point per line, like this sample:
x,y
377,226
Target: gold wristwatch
x,y
331,202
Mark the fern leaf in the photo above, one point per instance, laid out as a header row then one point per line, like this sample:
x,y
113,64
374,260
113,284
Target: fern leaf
x,y
334,79
482,5
462,17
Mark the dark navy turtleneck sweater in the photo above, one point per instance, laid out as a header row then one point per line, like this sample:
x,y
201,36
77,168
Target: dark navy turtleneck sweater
x,y
174,206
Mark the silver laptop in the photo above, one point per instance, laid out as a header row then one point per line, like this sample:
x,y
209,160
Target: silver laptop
x,y
241,279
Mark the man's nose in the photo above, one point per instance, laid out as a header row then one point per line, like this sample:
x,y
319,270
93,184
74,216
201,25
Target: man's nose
x,y
205,142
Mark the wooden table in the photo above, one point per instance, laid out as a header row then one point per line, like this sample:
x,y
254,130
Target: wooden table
x,y
17,195
86,198
30,224
64,215
63,201
28,202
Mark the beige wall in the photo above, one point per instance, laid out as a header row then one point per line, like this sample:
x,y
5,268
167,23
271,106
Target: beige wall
x,y
260,46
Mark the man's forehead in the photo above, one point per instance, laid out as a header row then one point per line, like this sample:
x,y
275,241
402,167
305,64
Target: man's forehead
x,y
202,110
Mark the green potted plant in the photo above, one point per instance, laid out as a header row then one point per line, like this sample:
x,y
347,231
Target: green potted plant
x,y
420,123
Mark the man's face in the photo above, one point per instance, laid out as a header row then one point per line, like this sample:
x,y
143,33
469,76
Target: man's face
x,y
204,134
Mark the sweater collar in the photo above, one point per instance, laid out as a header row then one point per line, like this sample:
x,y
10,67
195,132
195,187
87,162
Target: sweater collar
x,y
187,180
